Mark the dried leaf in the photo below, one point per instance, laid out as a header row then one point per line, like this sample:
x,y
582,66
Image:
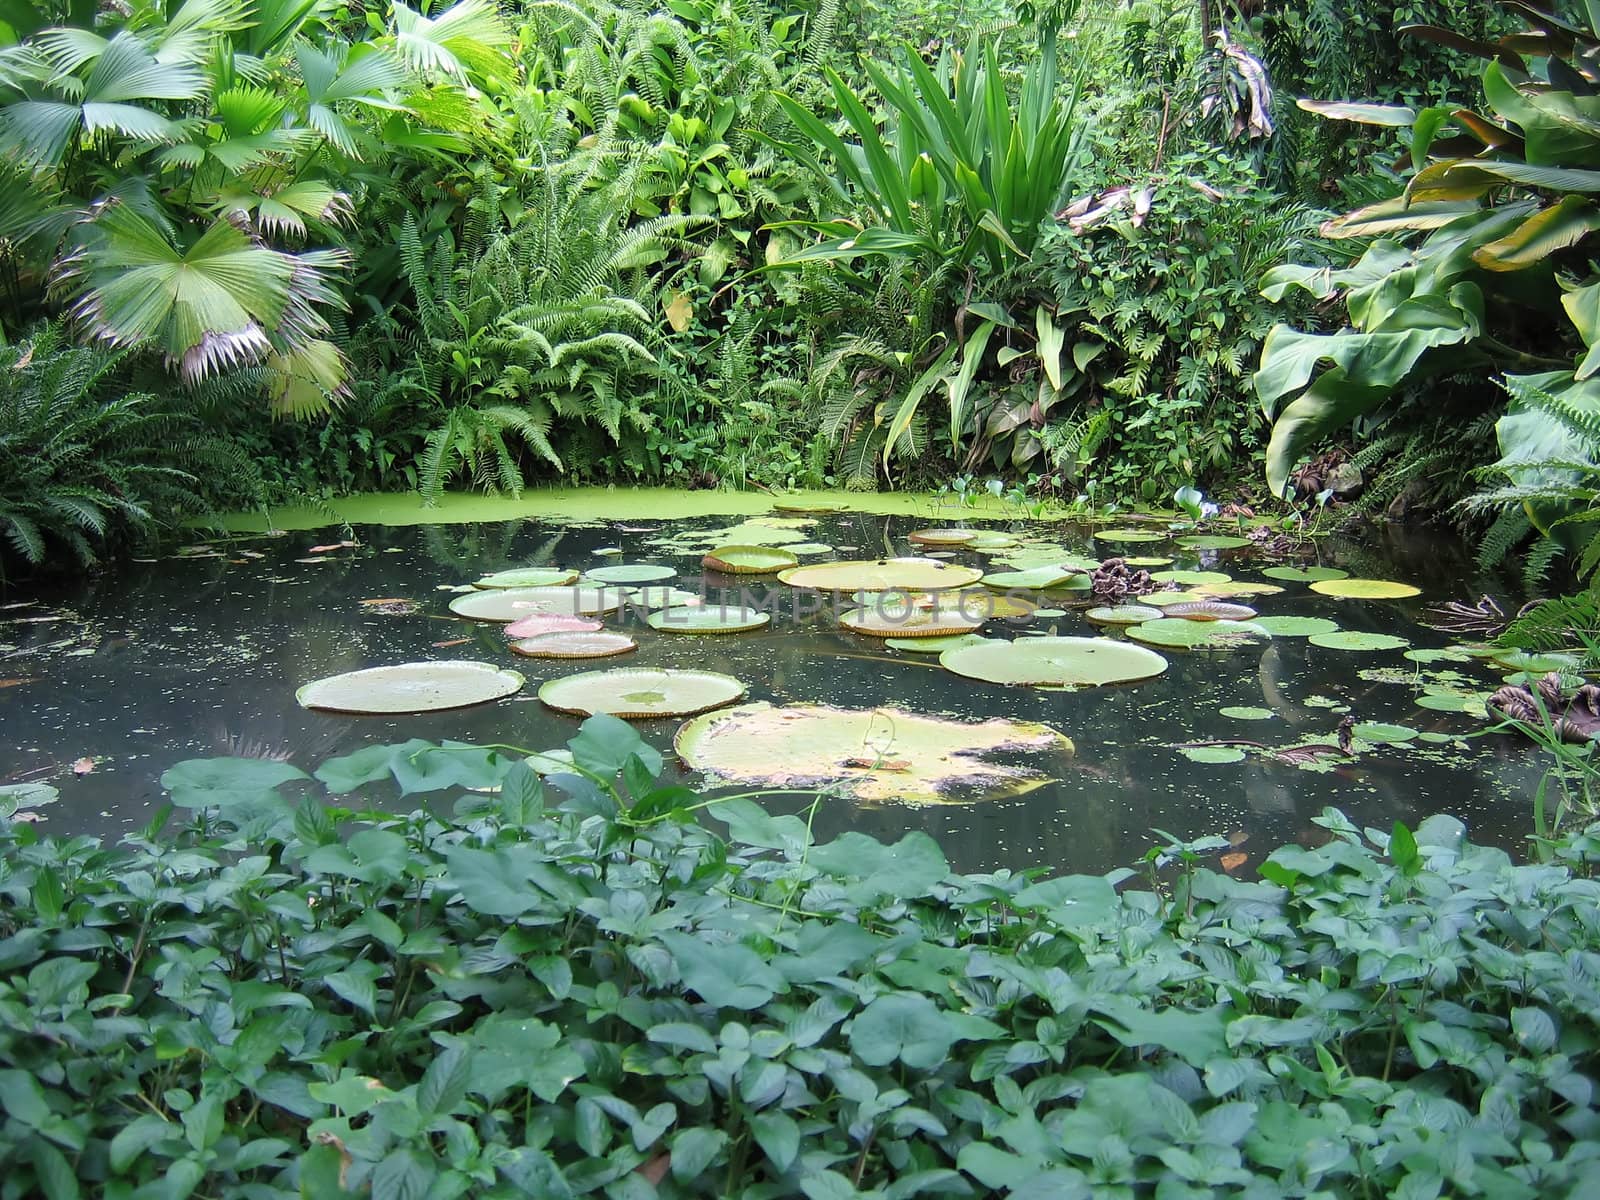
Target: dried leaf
x,y
6,683
680,311
451,642
83,766
1232,861
880,764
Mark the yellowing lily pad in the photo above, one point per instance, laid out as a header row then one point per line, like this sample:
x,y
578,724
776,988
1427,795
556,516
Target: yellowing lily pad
x,y
1054,662
630,573
942,537
1237,587
877,575
881,754
1353,639
1304,574
808,506
1179,634
411,688
749,560
708,618
507,604
1364,589
637,693
915,622
528,577
575,644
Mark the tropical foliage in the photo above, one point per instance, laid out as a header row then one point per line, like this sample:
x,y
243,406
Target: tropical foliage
x,y
574,986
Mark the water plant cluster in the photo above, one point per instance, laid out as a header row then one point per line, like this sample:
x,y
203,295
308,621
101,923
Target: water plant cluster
x,y
427,971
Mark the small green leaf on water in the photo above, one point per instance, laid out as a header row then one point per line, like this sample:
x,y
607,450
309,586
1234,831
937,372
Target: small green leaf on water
x,y
1304,574
1213,541
1296,626
1241,712
1379,732
1353,639
1445,654
1212,754
1452,702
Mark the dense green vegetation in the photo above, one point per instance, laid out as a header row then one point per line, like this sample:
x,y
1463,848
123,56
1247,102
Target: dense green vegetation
x,y
580,987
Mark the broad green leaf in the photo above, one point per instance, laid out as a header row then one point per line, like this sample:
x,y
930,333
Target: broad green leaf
x,y
903,1025
725,974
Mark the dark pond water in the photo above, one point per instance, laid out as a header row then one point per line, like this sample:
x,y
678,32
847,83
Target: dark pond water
x,y
200,655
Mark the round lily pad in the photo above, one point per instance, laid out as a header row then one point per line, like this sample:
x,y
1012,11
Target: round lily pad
x,y
1296,626
1212,754
942,537
1237,587
1179,634
1364,589
540,623
809,548
1450,654
1189,578
1539,662
1054,661
24,797
528,577
575,644
989,540
708,618
933,645
1210,610
917,622
874,754
637,693
1123,614
1037,579
877,575
1165,599
1146,560
1130,535
1381,733
1245,712
749,560
1213,541
1353,639
1452,702
507,604
1304,574
630,573
981,602
411,688
803,507
661,596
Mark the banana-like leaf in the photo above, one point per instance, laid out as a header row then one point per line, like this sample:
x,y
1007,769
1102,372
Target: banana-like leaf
x,y
1463,180
1398,215
1582,305
907,412
1548,440
1541,235
1392,115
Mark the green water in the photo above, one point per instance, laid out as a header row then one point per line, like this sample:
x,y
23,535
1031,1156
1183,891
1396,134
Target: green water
x,y
200,654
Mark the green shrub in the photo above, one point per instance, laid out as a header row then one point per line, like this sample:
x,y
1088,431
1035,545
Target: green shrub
x,y
575,988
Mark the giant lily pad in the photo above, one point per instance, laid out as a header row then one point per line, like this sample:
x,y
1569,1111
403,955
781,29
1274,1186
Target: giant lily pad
x,y
1123,614
749,560
1179,634
1213,541
879,575
933,645
528,577
1237,587
1355,639
1364,589
708,618
1129,535
1290,626
808,506
538,624
630,573
909,623
1190,578
661,596
1038,579
507,604
1304,574
411,688
1210,610
875,754
575,644
942,537
637,693
1054,661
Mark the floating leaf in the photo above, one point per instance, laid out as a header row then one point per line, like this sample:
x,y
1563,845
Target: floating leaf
x,y
25,797
1240,712
989,540
1364,589
1233,860
1378,732
1054,661
528,577
575,644
1189,578
1129,535
659,596
809,506
1179,634
809,548
1212,754
1237,587
1162,599
1296,626
1038,579
1210,610
1304,574
1146,560
508,604
885,622
635,693
1539,663
1450,654
878,575
630,573
1213,541
933,645
1453,702
875,754
390,606
1123,614
942,537
540,623
708,618
748,560
1352,639
411,688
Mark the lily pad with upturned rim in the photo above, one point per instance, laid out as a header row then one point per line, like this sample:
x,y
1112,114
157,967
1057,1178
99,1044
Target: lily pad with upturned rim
x,y
638,693
410,688
916,622
1130,535
804,507
575,644
539,624
1123,614
882,754
708,618
941,537
878,575
508,604
1209,610
1364,589
527,577
630,573
1054,662
749,560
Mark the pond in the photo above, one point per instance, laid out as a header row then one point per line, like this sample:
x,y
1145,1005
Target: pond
x,y
106,684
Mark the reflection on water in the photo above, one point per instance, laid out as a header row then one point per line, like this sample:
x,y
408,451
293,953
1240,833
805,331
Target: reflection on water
x,y
200,655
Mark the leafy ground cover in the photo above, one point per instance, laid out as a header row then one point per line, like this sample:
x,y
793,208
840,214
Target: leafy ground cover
x,y
576,986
